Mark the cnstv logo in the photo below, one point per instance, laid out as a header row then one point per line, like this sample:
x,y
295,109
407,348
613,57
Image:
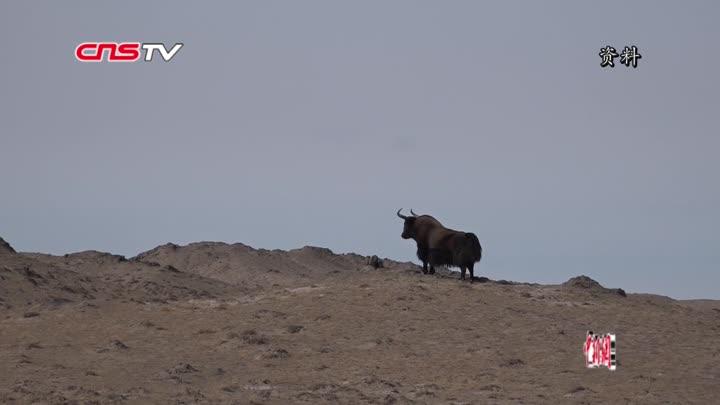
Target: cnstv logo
x,y
600,350
124,51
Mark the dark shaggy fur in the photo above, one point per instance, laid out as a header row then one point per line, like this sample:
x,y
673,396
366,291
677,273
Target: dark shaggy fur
x,y
440,246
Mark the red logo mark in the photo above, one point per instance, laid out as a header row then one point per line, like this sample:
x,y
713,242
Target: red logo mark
x,y
122,51
600,351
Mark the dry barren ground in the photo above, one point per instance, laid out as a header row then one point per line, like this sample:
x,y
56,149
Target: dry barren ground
x,y
218,323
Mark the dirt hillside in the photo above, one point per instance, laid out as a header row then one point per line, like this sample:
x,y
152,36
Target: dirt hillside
x,y
224,323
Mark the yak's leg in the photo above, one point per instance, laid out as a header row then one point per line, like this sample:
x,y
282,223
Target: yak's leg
x,y
432,259
462,272
471,267
422,254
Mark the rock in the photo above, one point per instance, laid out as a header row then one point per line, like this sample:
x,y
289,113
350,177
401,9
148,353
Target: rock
x,y
586,283
313,250
170,268
181,372
253,338
513,363
5,247
118,345
582,282
277,354
375,262
182,368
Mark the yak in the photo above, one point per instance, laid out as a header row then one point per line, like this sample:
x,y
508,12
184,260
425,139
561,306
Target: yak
x,y
438,246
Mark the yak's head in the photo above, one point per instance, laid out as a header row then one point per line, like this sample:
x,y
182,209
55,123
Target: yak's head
x,y
409,230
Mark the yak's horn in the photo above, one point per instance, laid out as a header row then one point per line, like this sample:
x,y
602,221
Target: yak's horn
x,y
401,215
413,214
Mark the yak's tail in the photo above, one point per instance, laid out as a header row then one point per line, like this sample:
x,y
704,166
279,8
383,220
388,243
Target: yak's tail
x,y
467,250
475,249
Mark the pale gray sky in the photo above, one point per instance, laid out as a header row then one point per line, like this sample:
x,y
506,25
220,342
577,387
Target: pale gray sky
x,y
281,124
